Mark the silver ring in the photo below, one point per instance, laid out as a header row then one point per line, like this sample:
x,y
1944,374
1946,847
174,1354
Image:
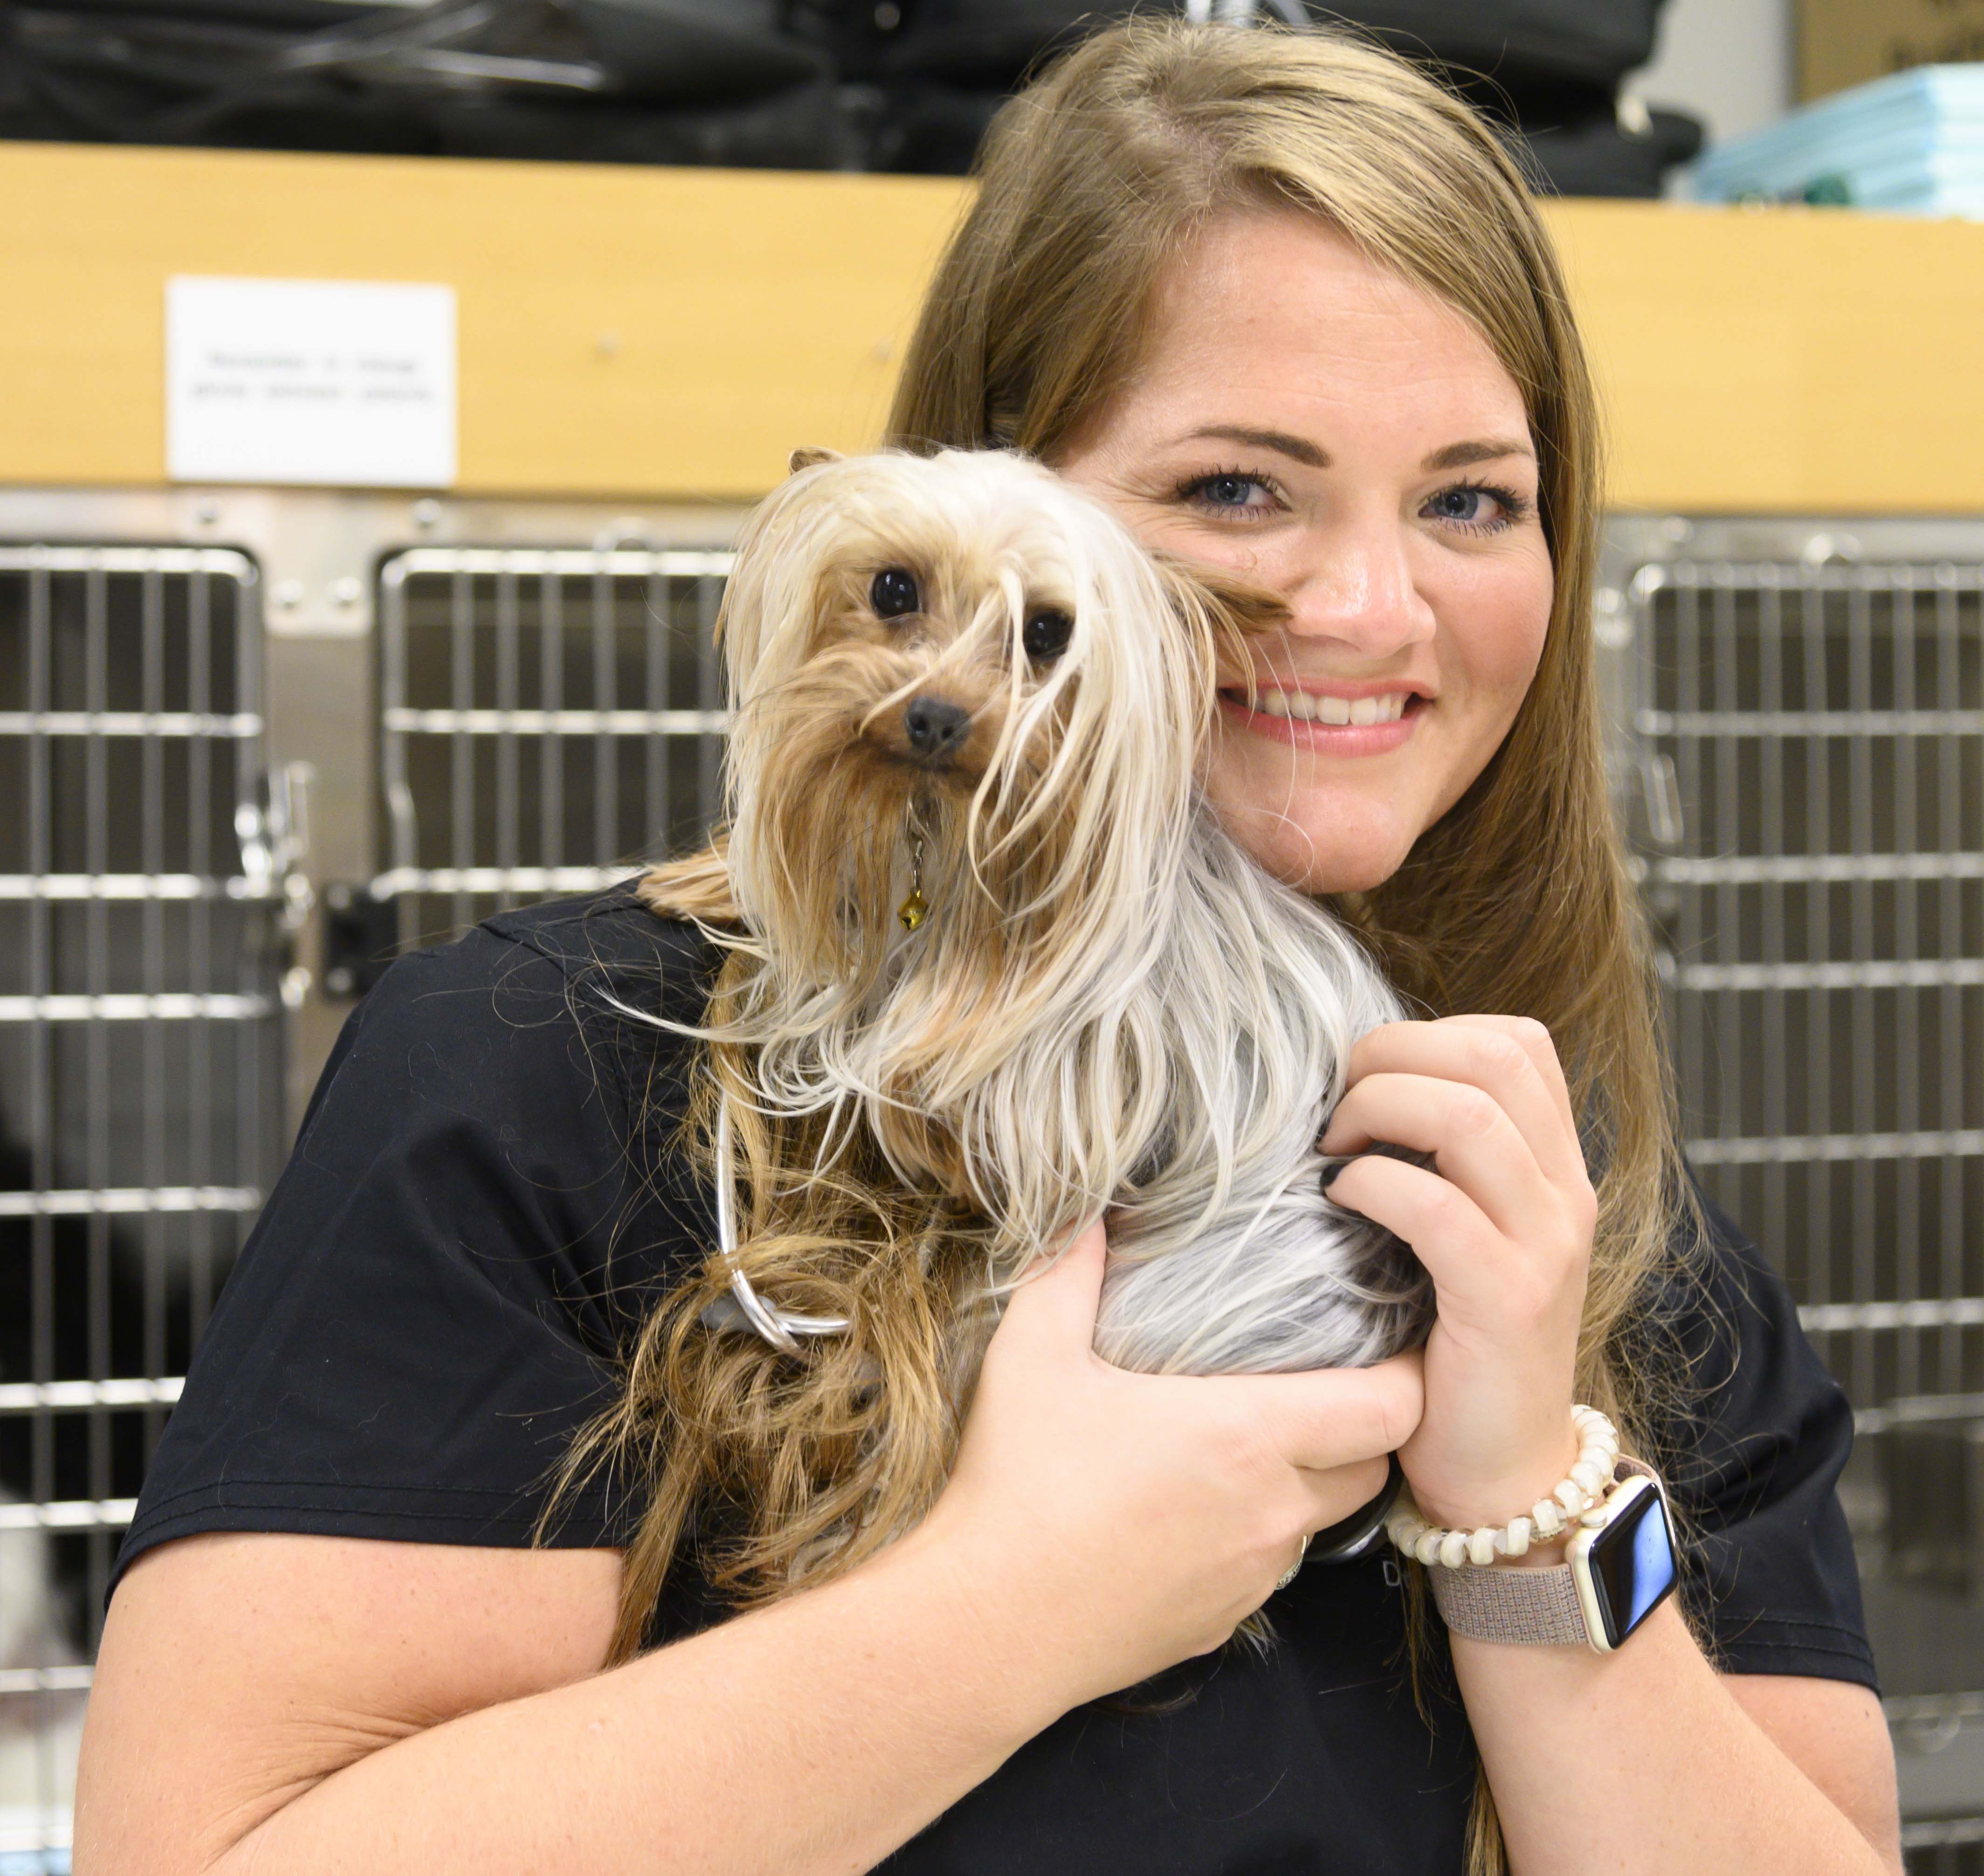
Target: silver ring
x,y
1294,1569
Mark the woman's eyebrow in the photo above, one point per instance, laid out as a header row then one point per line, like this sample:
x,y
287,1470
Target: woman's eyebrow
x,y
1484,449
1297,448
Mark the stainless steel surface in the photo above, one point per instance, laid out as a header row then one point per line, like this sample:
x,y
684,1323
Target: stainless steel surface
x,y
1819,694
1801,758
143,854
194,738
548,719
451,706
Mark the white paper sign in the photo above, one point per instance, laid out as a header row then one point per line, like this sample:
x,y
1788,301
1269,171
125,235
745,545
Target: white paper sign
x,y
338,383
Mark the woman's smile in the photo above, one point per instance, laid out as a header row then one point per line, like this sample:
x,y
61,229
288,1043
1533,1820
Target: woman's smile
x,y
1337,720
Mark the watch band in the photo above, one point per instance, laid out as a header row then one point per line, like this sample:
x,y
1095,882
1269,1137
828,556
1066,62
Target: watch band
x,y
1536,1608
1494,1603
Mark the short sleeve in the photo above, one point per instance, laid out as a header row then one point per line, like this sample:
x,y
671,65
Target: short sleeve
x,y
430,1305
1754,1471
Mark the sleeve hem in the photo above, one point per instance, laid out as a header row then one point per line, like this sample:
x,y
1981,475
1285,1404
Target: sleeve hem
x,y
1818,1650
406,1514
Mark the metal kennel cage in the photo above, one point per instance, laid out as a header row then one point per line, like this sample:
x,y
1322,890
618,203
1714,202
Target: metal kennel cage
x,y
543,713
1810,728
1800,711
141,863
251,744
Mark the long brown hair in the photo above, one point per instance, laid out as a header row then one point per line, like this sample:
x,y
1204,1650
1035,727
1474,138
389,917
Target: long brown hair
x,y
1517,902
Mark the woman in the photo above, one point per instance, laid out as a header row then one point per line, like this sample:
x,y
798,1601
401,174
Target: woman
x,y
1282,303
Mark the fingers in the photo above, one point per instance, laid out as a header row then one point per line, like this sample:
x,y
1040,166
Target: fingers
x,y
1481,1275
1534,1041
1334,1417
1477,1146
1507,1059
1342,1491
1056,1301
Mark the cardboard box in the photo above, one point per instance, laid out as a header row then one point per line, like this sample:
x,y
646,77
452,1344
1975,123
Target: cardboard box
x,y
1846,42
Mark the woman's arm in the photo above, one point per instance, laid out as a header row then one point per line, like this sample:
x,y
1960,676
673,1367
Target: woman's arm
x,y
292,1706
1646,1758
1836,1734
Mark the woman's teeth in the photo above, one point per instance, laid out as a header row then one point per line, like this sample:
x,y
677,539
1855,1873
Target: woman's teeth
x,y
1310,709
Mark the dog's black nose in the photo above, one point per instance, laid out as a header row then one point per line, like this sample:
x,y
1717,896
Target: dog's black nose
x,y
934,728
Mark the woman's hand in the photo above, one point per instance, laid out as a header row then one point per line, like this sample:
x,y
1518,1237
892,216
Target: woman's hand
x,y
1124,1522
1504,1224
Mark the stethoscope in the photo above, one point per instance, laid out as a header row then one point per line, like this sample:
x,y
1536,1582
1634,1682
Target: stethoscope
x,y
781,1328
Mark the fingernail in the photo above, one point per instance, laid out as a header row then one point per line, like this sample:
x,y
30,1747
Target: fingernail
x,y
1330,1172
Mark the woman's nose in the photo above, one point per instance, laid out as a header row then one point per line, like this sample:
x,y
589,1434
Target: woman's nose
x,y
1356,587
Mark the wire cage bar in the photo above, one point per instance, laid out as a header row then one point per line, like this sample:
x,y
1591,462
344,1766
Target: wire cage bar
x,y
1823,921
517,720
1808,730
1944,1847
548,720
140,1056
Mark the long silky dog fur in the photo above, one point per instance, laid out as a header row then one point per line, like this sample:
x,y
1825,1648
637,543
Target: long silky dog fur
x,y
1110,1009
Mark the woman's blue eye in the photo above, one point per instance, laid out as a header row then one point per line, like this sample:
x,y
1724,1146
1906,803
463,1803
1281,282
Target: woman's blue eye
x,y
1472,505
1228,489
1459,504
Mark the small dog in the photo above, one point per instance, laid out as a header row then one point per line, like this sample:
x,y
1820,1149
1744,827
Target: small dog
x,y
989,920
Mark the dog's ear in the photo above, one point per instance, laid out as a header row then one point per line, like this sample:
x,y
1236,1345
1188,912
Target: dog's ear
x,y
807,454
1233,604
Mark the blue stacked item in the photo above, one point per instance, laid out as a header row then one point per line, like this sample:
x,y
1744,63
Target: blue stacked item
x,y
1911,143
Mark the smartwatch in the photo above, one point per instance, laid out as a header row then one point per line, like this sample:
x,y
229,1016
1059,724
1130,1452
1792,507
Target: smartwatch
x,y
1617,1571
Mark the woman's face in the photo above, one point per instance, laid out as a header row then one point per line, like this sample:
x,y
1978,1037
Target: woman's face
x,y
1323,428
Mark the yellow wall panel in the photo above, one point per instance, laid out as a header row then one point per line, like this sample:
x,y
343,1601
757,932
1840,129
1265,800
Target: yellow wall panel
x,y
668,332
622,330
1761,361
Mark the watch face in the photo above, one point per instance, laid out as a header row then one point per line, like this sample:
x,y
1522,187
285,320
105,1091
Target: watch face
x,y
1633,1564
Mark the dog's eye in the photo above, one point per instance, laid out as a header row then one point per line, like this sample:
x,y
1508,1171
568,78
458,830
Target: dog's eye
x,y
1045,633
894,593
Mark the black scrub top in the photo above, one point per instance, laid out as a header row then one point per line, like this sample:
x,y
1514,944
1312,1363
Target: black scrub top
x,y
481,1203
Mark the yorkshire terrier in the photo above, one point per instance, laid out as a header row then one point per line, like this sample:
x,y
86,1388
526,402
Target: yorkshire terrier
x,y
981,913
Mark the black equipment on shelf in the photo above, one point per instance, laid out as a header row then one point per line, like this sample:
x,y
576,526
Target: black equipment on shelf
x,y
905,85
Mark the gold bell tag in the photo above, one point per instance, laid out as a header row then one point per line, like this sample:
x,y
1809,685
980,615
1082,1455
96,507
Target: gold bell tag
x,y
911,912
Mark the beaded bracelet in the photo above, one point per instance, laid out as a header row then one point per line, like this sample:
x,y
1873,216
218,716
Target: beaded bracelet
x,y
1598,1458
